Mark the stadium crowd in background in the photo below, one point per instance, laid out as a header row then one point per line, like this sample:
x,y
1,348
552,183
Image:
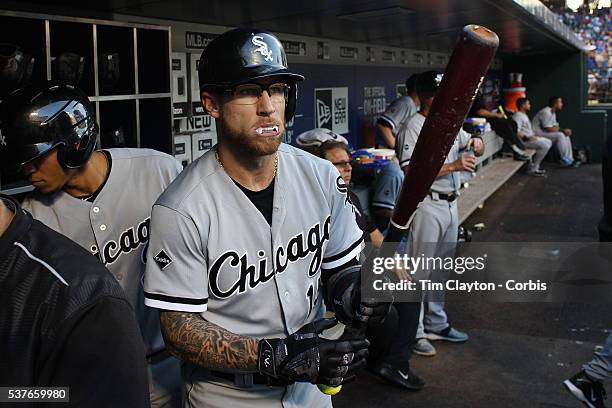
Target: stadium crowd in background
x,y
594,27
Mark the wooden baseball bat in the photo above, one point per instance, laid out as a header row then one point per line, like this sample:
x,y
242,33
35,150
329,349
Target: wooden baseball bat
x,y
463,76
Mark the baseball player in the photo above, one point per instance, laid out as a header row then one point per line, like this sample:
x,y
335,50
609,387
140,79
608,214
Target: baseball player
x,y
245,240
545,125
501,125
397,114
588,384
100,199
529,138
386,190
433,231
58,305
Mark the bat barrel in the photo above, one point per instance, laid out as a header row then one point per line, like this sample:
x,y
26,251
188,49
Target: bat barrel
x,y
480,35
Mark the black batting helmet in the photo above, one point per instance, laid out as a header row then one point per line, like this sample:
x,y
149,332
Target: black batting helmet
x,y
36,119
243,54
15,68
428,82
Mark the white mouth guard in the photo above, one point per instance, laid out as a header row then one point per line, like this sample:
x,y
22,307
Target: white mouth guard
x,y
267,129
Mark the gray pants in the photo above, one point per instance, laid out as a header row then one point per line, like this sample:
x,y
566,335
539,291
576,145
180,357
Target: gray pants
x,y
600,367
541,146
165,383
563,144
203,391
433,233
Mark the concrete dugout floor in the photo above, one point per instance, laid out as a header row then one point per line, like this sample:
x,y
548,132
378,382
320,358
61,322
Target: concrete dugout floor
x,y
518,353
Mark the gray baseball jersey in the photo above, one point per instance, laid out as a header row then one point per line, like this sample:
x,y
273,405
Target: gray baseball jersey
x,y
388,186
545,118
406,141
213,252
523,123
115,227
435,220
398,113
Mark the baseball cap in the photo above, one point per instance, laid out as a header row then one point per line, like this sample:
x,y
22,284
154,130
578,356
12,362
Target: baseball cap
x,y
428,81
317,136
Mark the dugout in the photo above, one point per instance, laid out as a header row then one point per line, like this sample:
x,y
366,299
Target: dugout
x,y
355,56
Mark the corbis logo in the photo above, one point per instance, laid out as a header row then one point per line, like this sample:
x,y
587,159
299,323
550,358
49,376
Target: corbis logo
x,y
262,47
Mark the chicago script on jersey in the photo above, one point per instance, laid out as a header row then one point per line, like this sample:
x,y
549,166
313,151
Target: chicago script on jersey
x,y
299,247
129,240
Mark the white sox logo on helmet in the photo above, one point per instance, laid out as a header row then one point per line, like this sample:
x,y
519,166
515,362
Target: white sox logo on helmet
x,y
262,47
439,79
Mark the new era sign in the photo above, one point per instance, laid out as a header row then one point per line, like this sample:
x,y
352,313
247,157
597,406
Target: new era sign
x,y
331,109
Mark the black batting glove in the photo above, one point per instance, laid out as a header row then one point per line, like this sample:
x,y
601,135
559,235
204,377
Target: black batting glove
x,y
304,356
368,311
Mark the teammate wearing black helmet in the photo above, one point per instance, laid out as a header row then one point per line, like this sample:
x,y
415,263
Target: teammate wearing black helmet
x,y
43,126
100,199
245,239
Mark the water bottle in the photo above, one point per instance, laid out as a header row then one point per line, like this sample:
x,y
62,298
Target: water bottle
x,y
466,176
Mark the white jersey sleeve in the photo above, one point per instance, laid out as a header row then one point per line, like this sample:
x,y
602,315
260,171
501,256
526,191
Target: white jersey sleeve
x,y
544,119
176,274
399,112
407,138
463,138
549,119
523,123
345,237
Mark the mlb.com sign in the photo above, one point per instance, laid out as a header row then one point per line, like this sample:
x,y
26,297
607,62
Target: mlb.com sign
x,y
331,109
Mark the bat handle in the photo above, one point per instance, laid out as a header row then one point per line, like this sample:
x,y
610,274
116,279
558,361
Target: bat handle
x,y
350,332
357,330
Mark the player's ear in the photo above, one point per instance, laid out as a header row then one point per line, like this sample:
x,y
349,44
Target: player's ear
x,y
210,103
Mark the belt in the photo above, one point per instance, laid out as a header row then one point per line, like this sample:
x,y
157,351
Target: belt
x,y
158,356
246,380
441,196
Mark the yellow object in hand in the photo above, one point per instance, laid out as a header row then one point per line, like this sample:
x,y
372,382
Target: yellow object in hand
x,y
328,389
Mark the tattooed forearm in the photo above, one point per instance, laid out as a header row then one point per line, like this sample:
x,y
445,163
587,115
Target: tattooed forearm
x,y
192,339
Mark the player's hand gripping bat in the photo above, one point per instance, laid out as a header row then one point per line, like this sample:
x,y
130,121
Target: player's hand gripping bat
x,y
463,76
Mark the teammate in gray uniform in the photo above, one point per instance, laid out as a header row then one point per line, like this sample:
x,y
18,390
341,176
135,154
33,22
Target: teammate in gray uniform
x,y
434,229
390,179
541,145
398,113
545,125
100,199
245,239
386,190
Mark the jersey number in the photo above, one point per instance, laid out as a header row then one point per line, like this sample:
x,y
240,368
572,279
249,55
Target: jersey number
x,y
310,298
